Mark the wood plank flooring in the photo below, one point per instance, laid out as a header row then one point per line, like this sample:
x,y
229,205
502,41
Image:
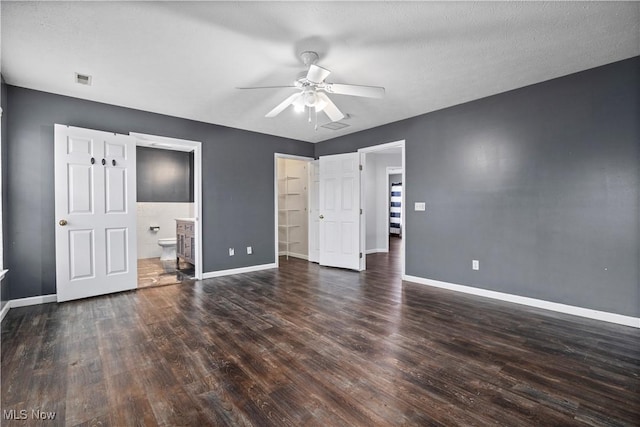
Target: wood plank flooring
x,y
154,272
306,345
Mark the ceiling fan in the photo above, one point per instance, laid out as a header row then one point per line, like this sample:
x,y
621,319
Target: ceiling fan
x,y
313,91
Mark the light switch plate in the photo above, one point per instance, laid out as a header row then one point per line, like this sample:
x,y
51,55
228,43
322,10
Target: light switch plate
x,y
420,206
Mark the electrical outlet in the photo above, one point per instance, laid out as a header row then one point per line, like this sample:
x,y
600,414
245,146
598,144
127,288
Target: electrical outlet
x,y
232,252
475,264
249,250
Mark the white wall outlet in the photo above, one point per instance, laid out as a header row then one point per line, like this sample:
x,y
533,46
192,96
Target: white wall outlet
x,y
249,250
419,206
475,264
232,252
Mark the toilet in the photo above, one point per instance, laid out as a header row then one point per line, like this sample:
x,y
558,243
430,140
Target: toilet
x,y
168,246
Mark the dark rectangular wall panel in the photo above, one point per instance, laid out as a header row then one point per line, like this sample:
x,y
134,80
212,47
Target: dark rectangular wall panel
x,y
164,175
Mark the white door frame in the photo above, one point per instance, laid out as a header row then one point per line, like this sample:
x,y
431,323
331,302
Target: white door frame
x,y
277,156
363,220
166,143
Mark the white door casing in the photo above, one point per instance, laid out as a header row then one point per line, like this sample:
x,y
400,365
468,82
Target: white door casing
x,y
340,211
95,212
314,211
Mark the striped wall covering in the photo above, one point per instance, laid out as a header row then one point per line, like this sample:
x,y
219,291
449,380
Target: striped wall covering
x,y
395,221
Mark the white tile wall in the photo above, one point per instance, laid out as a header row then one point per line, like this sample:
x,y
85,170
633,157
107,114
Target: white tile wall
x,y
162,214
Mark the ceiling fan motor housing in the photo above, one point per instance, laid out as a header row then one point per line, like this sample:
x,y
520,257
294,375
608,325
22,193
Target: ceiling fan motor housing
x,y
308,57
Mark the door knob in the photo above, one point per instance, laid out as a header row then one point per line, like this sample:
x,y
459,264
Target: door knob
x,y
62,222
321,216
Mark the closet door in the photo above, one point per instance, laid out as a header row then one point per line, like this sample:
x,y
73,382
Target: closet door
x,y
95,193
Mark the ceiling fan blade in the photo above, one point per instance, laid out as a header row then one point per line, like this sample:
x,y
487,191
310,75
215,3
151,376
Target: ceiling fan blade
x,y
265,87
330,108
284,104
317,74
355,90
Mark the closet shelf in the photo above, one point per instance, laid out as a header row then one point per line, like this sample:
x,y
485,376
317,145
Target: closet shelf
x,y
283,242
289,226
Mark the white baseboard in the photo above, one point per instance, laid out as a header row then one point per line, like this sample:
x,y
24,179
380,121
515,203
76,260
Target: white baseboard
x,y
532,302
231,271
42,299
24,302
5,310
375,251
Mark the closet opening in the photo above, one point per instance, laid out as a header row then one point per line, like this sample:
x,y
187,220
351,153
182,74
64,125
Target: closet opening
x,y
292,177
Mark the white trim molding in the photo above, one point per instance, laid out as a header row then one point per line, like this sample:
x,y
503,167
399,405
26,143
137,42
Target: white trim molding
x,y
376,251
5,310
532,302
220,273
42,299
24,302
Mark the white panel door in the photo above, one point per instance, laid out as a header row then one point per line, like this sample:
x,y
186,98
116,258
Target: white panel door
x,y
95,195
340,211
314,211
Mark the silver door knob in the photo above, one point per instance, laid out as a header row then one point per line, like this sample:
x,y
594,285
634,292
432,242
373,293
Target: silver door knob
x,y
62,222
321,216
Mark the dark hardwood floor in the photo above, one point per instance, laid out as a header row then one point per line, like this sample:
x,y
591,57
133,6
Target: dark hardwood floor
x,y
306,345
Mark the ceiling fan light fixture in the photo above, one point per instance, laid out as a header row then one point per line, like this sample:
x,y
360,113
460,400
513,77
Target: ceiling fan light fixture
x,y
320,104
310,98
298,105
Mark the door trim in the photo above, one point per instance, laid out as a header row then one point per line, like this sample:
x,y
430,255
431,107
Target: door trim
x,y
363,220
166,143
277,156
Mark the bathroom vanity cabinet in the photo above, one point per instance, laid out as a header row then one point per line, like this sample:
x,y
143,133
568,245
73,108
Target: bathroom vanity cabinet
x,y
185,245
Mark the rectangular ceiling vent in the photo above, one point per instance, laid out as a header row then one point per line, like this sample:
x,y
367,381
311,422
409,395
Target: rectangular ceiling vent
x,y
83,79
335,125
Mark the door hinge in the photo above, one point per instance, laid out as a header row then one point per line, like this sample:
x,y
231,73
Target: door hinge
x,y
360,211
360,167
360,255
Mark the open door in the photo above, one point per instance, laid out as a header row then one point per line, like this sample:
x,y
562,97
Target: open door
x,y
340,211
314,211
95,194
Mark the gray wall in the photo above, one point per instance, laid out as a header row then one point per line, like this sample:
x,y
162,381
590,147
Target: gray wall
x,y
540,184
237,167
164,175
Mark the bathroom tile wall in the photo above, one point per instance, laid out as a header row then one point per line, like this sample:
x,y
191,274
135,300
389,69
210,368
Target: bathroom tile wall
x,y
163,215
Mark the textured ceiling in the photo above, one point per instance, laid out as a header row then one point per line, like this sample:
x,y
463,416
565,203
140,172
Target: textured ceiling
x,y
186,58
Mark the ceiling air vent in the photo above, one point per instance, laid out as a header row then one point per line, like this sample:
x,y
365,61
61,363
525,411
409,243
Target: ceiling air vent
x,y
83,79
335,125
